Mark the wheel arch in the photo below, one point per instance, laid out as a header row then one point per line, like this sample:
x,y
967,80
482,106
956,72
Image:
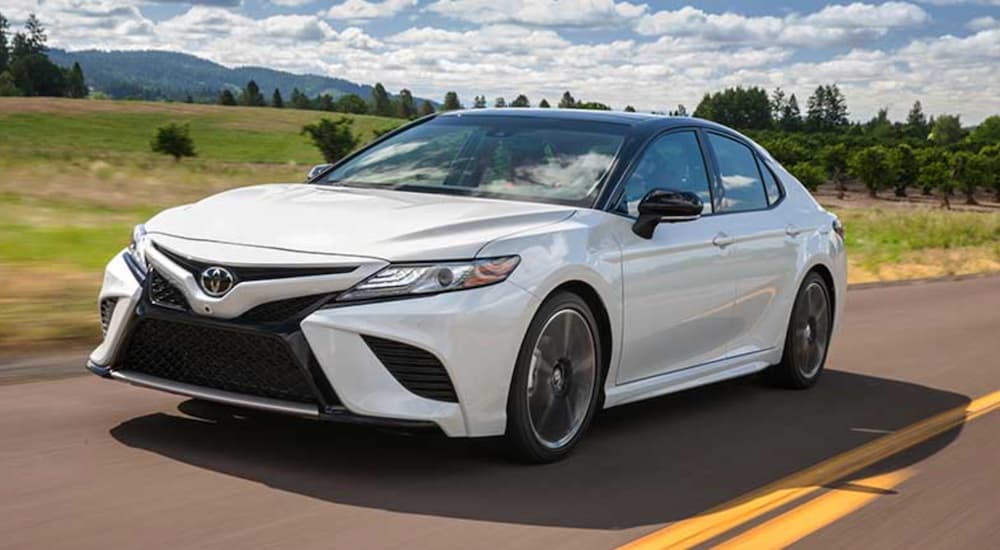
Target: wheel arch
x,y
593,299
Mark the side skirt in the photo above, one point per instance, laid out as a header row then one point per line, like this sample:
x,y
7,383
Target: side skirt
x,y
692,377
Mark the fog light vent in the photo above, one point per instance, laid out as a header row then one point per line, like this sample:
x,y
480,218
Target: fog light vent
x,y
107,307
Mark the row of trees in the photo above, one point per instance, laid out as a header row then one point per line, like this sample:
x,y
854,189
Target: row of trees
x,y
25,69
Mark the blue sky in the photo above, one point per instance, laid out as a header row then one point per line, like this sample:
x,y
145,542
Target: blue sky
x,y
653,55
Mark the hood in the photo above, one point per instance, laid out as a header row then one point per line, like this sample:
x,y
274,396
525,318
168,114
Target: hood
x,y
391,225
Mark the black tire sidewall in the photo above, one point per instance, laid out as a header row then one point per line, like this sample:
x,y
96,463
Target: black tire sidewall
x,y
791,373
519,431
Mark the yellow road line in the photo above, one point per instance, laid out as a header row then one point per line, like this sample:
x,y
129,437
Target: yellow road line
x,y
816,514
716,521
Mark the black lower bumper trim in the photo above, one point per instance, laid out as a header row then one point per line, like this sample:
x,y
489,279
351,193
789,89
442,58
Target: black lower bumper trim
x,y
103,372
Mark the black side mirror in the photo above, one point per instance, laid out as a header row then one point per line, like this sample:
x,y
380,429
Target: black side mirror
x,y
665,205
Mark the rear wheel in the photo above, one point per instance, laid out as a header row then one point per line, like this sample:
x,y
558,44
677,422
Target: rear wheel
x,y
554,389
808,336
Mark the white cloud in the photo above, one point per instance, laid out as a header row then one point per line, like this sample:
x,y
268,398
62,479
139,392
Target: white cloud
x,y
291,3
359,10
956,2
566,13
983,23
834,25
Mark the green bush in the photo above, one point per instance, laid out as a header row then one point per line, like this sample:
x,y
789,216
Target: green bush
x,y
174,140
333,138
809,174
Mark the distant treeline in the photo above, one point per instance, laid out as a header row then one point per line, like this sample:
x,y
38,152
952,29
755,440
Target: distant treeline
x,y
26,70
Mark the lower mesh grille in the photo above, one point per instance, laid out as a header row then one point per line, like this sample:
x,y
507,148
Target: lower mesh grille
x,y
212,357
417,370
163,293
280,310
107,307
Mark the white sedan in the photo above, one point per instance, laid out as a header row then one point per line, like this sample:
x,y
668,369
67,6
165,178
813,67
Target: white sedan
x,y
486,273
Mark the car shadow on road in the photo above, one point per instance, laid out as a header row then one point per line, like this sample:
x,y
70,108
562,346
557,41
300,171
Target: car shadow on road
x,y
645,463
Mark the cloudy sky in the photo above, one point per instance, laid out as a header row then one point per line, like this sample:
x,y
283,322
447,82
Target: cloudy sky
x,y
653,55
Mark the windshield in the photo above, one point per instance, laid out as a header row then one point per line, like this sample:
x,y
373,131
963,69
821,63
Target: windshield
x,y
524,158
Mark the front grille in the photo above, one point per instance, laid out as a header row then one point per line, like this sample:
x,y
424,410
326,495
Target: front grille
x,y
213,357
280,310
107,307
163,293
417,370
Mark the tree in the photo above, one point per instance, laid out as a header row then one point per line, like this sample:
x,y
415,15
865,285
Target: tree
x,y
916,122
451,102
351,103
4,44
276,99
968,171
479,102
987,133
251,96
567,101
816,109
334,139
76,85
809,174
836,107
947,130
299,99
325,103
36,37
544,104
778,103
426,108
834,159
681,110
35,75
933,162
520,101
991,166
174,140
629,109
7,86
226,97
406,107
742,108
592,106
905,168
870,165
500,102
381,104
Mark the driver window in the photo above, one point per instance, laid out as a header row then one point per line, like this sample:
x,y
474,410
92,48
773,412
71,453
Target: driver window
x,y
673,162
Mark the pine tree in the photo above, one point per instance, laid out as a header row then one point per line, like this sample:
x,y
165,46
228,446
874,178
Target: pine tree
x,y
381,103
299,99
251,96
816,109
567,101
4,44
791,118
916,122
500,103
325,102
629,109
188,99
479,102
76,86
226,97
544,104
835,107
779,103
276,99
406,107
426,108
36,35
520,101
451,102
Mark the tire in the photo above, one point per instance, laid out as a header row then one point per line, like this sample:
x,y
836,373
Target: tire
x,y
807,339
556,383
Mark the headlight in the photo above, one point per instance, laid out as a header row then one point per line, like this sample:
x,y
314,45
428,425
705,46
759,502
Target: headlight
x,y
416,279
137,246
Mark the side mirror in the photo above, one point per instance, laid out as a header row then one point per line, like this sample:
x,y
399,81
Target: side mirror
x,y
665,206
316,170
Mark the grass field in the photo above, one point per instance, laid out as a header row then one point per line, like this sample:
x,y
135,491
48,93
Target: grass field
x,y
76,175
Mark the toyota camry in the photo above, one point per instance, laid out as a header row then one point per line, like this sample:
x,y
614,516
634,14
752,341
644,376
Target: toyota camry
x,y
485,273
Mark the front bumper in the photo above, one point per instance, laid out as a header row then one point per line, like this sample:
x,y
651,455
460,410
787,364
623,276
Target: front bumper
x,y
474,334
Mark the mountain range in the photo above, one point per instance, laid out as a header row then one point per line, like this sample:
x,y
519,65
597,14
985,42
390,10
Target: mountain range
x,y
165,75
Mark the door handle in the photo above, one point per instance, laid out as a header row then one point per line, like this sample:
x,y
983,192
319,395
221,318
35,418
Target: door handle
x,y
723,240
793,230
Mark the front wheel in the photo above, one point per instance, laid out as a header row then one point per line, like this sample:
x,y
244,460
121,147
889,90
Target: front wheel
x,y
554,390
808,336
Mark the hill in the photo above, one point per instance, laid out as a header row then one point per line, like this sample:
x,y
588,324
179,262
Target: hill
x,y
158,75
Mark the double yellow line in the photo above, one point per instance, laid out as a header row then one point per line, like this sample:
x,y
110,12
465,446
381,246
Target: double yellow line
x,y
796,523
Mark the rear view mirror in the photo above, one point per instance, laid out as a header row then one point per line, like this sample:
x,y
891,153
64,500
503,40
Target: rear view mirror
x,y
317,170
665,206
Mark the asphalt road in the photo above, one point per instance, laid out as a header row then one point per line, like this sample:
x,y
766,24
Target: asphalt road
x,y
89,463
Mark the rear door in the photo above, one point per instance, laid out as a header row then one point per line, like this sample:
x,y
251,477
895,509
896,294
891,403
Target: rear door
x,y
766,246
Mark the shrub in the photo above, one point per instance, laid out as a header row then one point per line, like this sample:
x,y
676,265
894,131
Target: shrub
x,y
333,138
174,140
809,174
